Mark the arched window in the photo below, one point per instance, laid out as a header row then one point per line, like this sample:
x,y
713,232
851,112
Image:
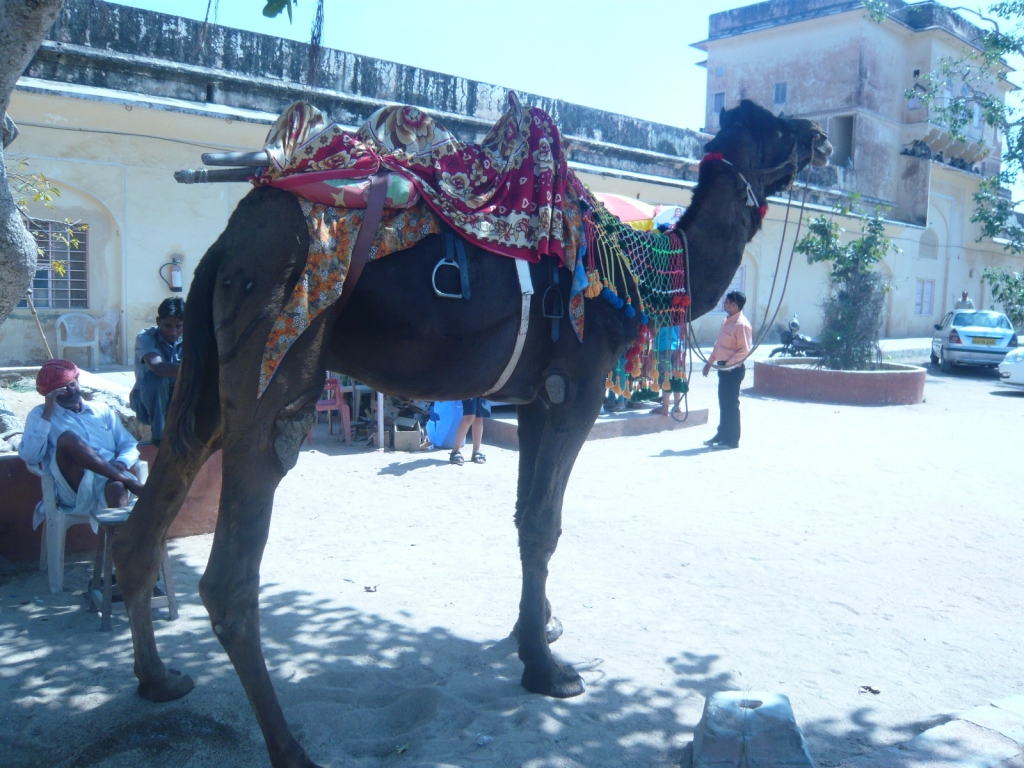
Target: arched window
x,y
929,248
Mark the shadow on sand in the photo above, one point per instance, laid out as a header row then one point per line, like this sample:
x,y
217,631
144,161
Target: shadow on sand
x,y
358,690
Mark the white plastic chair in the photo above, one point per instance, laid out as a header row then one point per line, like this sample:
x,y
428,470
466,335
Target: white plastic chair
x,y
79,330
56,522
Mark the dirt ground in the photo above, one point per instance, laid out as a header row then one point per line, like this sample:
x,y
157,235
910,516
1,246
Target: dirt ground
x,y
839,547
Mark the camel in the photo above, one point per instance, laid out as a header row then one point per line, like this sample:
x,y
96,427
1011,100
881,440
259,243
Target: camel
x,y
398,337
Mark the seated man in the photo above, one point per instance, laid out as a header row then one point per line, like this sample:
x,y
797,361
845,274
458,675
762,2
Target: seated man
x,y
83,445
157,360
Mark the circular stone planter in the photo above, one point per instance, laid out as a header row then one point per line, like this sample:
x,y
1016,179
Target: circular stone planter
x,y
797,378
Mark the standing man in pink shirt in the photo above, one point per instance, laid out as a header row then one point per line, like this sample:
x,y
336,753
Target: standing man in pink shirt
x,y
735,340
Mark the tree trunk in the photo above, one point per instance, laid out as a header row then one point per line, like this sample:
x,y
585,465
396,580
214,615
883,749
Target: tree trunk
x,y
23,25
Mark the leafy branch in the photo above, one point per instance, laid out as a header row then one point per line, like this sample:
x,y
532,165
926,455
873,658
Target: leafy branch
x,y
966,91
1008,289
35,187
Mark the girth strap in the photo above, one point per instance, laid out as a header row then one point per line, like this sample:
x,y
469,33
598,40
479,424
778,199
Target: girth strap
x,y
526,288
367,234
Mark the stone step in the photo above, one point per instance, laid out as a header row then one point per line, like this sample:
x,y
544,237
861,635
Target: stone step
x,y
503,429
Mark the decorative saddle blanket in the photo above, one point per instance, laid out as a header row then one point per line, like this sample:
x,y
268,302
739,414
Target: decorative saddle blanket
x,y
512,195
506,194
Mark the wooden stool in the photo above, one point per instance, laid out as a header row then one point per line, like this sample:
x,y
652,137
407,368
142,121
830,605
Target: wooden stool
x,y
102,590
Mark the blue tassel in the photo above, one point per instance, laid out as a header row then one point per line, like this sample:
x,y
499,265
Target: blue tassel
x,y
611,298
643,318
630,312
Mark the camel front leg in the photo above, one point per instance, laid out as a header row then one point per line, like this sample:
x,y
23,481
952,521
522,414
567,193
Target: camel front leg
x,y
558,430
137,550
230,585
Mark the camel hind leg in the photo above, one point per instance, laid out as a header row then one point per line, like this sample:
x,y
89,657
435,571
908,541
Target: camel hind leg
x,y
192,434
138,548
261,443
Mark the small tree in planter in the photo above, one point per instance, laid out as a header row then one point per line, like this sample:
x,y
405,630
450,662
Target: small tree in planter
x,y
853,308
1008,290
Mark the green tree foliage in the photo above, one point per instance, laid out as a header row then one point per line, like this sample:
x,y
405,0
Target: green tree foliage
x,y
1008,290
852,312
274,7
969,82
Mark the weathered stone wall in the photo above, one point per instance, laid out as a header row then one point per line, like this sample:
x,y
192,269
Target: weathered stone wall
x,y
104,45
916,16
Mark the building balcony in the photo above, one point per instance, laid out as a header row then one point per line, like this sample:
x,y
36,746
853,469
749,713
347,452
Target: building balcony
x,y
936,143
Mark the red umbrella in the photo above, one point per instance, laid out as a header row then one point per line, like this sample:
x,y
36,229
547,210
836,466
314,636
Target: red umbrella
x,y
636,213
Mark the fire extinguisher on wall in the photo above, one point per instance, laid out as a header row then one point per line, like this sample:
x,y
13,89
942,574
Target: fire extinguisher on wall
x,y
173,279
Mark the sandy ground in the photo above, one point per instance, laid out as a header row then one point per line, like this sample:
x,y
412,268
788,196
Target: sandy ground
x,y
840,547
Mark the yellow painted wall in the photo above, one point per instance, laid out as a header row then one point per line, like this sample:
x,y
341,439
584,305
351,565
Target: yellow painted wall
x,y
122,187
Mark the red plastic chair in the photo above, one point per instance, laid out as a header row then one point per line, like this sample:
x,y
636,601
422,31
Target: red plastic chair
x,y
333,401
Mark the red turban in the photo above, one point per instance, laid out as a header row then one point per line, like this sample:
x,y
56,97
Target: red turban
x,y
55,374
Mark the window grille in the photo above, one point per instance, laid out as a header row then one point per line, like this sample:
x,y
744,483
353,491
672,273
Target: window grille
x,y
61,279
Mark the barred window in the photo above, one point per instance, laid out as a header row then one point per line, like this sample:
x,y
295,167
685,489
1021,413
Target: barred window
x,y
61,280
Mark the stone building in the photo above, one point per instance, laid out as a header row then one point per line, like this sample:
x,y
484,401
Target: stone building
x,y
829,61
118,98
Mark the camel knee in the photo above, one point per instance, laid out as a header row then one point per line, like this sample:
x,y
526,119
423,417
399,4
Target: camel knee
x,y
230,606
538,541
291,426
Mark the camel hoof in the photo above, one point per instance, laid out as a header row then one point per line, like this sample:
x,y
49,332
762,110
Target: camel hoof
x,y
172,687
558,681
552,631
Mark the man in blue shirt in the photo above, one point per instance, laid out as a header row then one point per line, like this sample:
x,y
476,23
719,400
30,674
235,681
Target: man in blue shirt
x,y
82,444
157,359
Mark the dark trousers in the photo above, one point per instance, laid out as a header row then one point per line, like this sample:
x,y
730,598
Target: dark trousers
x,y
729,405
150,399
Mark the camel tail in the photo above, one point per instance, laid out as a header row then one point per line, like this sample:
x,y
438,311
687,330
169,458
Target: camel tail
x,y
193,420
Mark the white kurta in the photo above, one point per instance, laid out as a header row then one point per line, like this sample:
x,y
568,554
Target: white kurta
x,y
99,426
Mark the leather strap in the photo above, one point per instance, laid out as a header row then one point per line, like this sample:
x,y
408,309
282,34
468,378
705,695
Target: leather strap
x,y
526,289
367,234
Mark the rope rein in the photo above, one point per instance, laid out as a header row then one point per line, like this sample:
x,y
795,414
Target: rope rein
x,y
648,274
691,346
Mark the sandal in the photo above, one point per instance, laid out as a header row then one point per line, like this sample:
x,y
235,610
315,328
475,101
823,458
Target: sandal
x,y
455,457
479,458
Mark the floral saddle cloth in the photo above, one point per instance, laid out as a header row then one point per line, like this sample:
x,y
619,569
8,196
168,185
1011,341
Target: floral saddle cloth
x,y
509,195
506,194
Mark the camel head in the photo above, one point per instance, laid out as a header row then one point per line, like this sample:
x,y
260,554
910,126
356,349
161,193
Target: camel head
x,y
771,148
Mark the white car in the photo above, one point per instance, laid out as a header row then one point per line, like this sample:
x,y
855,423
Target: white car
x,y
972,337
1011,370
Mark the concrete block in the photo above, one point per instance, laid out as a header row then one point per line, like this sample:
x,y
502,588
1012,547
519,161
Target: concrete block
x,y
961,743
748,729
1007,722
503,431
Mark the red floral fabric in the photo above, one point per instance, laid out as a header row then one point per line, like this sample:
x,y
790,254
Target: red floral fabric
x,y
506,194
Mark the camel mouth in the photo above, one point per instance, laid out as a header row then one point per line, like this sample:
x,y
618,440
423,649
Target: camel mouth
x,y
822,152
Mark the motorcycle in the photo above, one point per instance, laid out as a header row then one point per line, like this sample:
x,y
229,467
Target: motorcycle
x,y
796,344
